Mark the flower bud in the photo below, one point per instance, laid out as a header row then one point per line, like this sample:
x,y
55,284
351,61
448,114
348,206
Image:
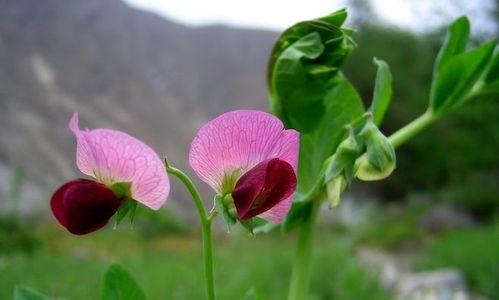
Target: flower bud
x,y
344,159
379,160
334,189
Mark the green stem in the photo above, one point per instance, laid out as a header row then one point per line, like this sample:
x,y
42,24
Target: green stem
x,y
408,131
300,277
208,259
206,221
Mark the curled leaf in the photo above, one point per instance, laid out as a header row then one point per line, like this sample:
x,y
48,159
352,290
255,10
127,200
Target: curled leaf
x,y
303,67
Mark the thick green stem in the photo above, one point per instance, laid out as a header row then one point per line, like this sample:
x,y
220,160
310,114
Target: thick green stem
x,y
300,277
408,131
206,221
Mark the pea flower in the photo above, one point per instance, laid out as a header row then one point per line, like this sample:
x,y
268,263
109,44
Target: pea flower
x,y
249,155
113,158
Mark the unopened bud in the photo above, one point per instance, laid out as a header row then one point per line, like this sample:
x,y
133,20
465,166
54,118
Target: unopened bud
x,y
335,188
379,160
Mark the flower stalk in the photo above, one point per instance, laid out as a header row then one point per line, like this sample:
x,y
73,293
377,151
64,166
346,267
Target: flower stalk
x,y
410,130
206,221
300,278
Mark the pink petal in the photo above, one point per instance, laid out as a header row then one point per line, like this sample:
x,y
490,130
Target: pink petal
x,y
277,213
236,141
114,156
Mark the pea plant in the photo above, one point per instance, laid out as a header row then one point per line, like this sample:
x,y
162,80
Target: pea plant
x,y
276,169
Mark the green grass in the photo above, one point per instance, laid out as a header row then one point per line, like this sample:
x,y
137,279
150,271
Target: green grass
x,y
475,252
170,267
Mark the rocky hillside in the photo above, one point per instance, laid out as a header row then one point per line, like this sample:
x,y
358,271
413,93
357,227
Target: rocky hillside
x,y
119,68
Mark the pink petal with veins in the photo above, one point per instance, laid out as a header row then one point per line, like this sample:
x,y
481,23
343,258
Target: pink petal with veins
x,y
114,156
235,142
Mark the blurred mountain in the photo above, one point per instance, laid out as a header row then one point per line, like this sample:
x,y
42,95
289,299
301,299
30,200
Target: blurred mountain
x,y
120,68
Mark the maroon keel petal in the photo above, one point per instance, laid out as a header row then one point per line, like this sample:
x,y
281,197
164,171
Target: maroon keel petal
x,y
262,187
84,206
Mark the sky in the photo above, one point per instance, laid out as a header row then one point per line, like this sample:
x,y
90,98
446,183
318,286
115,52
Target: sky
x,y
279,14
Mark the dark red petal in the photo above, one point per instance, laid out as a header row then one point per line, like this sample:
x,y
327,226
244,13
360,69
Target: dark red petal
x,y
56,204
84,206
262,187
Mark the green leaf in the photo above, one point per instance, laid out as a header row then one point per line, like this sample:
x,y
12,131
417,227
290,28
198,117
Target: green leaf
x,y
299,213
27,293
493,71
454,44
224,205
489,90
451,87
308,93
490,83
382,95
304,66
379,161
119,284
343,106
296,85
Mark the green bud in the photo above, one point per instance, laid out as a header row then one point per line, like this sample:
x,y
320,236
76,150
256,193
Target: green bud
x,y
379,161
344,159
334,189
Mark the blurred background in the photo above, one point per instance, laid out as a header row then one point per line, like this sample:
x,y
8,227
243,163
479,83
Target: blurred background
x,y
160,69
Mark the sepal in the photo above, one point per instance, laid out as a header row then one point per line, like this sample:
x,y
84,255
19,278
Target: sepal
x,y
128,208
224,205
253,224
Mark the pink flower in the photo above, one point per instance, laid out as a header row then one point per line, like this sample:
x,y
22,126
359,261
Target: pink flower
x,y
110,156
249,154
